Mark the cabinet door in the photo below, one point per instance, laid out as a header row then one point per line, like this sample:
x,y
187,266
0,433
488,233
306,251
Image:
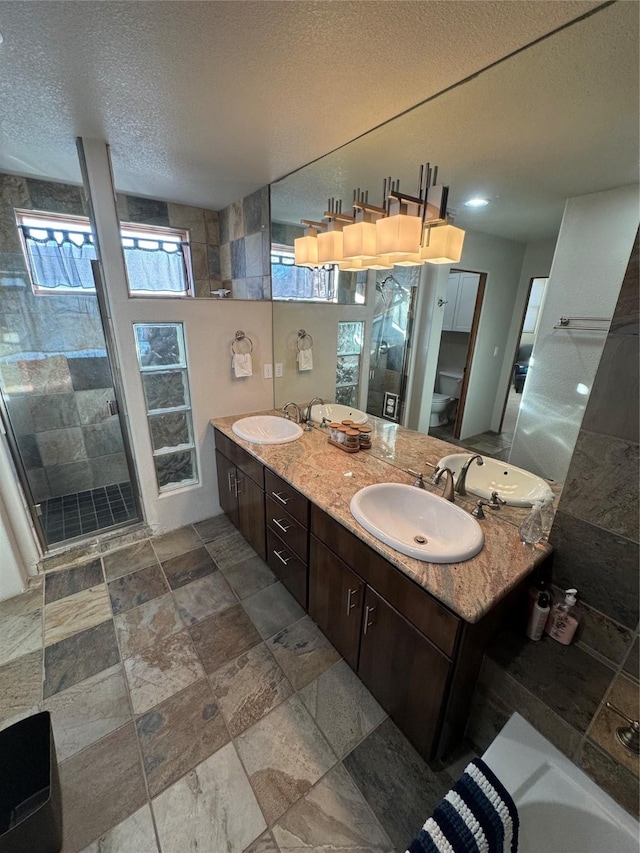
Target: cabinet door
x,y
466,302
287,567
336,598
227,475
404,671
452,297
251,513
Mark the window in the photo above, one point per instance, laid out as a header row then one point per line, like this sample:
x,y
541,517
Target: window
x,y
291,282
350,341
165,380
59,251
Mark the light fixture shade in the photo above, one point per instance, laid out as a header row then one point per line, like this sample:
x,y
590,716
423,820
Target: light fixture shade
x,y
445,245
306,251
398,234
414,260
330,250
351,265
360,241
379,263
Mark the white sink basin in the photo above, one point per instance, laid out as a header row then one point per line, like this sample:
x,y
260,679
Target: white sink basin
x,y
336,412
267,429
398,515
514,485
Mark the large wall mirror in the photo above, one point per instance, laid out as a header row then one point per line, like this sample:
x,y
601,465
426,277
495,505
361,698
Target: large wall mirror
x,y
448,350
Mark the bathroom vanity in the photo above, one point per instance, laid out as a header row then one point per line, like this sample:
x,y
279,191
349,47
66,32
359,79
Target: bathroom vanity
x,y
414,632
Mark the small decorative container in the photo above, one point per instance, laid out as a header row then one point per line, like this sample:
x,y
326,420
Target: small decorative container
x,y
352,439
364,437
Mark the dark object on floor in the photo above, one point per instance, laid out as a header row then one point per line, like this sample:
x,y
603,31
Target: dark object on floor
x,y
477,814
521,366
30,803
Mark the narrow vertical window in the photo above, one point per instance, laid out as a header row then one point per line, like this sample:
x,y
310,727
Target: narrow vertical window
x,y
350,341
165,380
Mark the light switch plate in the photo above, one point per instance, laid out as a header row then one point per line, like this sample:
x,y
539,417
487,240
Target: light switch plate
x,y
278,369
268,371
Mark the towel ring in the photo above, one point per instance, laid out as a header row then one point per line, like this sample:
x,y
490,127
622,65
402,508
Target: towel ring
x,y
304,341
240,336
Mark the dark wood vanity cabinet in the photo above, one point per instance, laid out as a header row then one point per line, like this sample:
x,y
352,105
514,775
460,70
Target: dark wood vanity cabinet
x,y
287,516
241,491
406,673
418,658
336,600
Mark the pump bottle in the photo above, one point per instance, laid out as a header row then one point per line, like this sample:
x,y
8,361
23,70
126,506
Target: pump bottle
x,y
563,619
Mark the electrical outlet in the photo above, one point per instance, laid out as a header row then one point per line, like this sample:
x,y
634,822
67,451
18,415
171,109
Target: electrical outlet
x,y
268,371
278,369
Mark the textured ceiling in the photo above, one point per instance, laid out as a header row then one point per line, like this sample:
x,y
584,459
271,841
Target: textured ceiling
x,y
558,120
203,102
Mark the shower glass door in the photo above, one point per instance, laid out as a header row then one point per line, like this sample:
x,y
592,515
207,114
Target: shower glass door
x,y
57,391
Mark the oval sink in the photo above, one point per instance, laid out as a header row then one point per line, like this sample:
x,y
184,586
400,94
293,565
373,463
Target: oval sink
x,y
417,523
337,412
514,485
267,429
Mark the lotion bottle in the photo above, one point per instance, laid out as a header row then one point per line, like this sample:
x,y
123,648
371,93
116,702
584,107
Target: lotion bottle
x,y
563,619
538,617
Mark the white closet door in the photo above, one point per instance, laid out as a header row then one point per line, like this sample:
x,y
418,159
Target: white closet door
x,y
452,298
466,301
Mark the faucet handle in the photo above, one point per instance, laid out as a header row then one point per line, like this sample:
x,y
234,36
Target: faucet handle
x,y
496,501
477,511
419,483
433,479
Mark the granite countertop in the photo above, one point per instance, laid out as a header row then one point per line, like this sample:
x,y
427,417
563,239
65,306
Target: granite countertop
x,y
329,478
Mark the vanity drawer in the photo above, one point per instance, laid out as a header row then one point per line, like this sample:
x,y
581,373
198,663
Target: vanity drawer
x,y
287,528
288,568
286,497
414,603
247,463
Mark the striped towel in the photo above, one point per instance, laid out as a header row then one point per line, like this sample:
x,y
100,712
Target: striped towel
x,y
476,816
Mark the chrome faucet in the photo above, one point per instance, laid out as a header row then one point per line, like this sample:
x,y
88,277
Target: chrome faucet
x,y
307,417
285,411
462,476
448,493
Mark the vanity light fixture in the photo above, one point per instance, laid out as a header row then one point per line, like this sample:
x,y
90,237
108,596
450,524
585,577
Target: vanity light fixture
x,y
306,248
406,231
477,202
330,241
443,245
360,236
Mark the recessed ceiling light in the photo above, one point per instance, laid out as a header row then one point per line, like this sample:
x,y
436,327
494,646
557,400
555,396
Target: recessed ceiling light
x,y
477,202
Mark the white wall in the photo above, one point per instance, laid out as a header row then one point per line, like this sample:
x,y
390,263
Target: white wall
x,y
320,320
502,261
19,553
209,327
536,264
594,244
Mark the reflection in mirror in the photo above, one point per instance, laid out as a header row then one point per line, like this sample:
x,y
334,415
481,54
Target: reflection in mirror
x,y
557,168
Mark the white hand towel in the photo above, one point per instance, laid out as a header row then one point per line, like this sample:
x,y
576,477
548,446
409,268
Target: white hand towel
x,y
305,359
242,364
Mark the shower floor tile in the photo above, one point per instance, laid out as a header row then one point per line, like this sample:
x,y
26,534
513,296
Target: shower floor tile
x,y
85,512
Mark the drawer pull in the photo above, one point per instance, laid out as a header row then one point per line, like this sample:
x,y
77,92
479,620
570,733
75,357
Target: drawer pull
x,y
281,558
231,478
350,603
367,611
283,527
278,497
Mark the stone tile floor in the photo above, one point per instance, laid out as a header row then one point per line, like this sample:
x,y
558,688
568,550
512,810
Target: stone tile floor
x,y
196,707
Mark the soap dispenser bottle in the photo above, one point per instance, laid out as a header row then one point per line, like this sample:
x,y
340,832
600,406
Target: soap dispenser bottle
x,y
563,619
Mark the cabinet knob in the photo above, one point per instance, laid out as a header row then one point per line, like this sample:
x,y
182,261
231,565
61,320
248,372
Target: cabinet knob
x,y
367,612
350,602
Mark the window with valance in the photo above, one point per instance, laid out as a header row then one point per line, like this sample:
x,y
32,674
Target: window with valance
x,y
59,252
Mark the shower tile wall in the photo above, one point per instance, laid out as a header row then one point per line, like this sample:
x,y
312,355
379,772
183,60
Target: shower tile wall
x,y
245,246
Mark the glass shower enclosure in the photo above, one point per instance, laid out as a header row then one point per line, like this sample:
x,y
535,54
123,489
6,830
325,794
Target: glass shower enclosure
x,y
58,401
